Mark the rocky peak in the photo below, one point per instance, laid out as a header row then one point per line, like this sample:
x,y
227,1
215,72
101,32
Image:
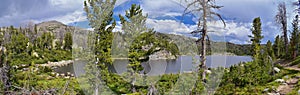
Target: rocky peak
x,y
50,23
57,28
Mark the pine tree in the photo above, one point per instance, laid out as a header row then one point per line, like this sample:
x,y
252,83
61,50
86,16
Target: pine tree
x,y
256,38
269,49
68,41
99,14
45,41
294,39
276,46
18,42
134,24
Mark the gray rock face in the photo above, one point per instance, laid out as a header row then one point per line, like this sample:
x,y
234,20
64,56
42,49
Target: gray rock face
x,y
163,54
58,29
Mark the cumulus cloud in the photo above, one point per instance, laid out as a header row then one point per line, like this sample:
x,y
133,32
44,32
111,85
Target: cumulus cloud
x,y
15,12
246,10
76,16
235,32
156,8
168,26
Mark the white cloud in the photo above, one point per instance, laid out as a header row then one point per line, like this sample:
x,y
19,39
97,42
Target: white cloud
x,y
119,2
76,16
156,8
234,32
168,26
67,4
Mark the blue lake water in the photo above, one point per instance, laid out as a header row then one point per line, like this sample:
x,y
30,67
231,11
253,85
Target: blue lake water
x,y
158,67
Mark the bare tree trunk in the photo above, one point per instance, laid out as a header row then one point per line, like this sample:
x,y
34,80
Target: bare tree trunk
x,y
281,18
205,8
203,56
203,42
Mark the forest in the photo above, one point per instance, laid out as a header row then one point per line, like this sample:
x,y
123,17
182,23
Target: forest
x,y
29,56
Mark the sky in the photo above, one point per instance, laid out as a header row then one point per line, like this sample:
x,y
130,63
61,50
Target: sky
x,y
163,15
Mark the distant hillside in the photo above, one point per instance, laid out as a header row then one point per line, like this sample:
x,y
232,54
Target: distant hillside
x,y
186,45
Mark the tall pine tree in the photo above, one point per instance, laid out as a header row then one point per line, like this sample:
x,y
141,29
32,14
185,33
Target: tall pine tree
x,y
99,14
68,41
256,38
294,39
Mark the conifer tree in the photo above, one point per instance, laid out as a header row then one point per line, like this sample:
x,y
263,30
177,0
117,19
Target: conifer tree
x,y
134,24
256,39
276,46
99,14
269,49
294,39
138,37
68,41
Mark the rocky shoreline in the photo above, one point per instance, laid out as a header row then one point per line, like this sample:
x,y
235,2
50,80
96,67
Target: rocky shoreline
x,y
57,64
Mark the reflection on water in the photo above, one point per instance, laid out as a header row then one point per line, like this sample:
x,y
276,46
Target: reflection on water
x,y
158,67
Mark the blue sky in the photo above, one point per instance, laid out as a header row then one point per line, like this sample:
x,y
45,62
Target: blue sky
x,y
163,15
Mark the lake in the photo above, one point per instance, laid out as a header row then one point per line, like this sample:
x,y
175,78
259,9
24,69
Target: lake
x,y
164,66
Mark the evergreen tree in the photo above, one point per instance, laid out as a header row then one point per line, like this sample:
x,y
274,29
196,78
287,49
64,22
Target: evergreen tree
x,y
294,39
99,14
68,41
18,42
34,37
45,41
58,44
269,49
276,46
134,24
256,38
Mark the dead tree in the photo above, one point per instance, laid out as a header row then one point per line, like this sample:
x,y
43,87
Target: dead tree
x,y
281,19
205,10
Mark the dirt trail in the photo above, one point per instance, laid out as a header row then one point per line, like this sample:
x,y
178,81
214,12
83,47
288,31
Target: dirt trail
x,y
287,87
293,68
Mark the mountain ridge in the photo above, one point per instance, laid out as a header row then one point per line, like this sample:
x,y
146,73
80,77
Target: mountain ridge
x,y
187,45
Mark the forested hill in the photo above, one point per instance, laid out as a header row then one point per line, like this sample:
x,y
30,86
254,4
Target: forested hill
x,y
186,45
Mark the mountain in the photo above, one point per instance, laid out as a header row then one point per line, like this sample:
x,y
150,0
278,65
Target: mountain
x,y
186,45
